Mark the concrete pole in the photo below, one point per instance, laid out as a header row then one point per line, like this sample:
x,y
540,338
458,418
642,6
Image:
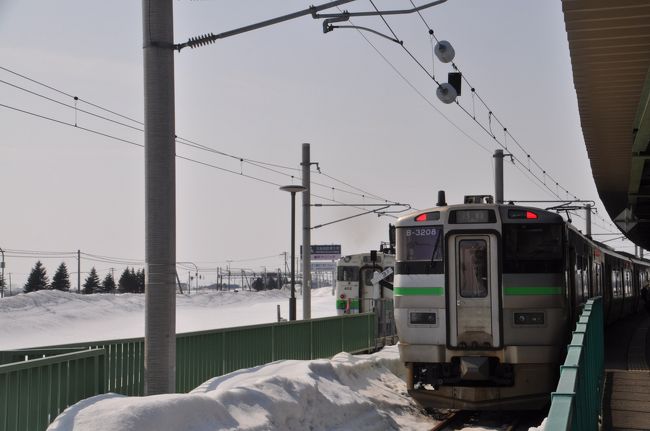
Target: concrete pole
x,y
588,220
2,275
306,234
78,271
498,176
160,197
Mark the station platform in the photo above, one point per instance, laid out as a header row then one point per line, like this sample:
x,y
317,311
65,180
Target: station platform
x,y
626,397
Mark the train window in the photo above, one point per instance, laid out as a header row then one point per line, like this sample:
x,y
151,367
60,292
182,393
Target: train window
x,y
616,283
419,243
367,276
532,248
473,264
347,273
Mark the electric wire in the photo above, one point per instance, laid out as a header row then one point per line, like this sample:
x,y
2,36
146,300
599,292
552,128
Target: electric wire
x,y
419,93
491,113
178,156
180,140
473,117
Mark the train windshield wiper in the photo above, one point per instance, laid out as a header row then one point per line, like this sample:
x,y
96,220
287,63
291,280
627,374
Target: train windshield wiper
x,y
436,246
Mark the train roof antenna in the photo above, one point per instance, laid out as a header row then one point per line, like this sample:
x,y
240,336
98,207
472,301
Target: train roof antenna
x,y
441,199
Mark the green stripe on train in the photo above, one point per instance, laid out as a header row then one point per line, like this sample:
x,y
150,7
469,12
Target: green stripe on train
x,y
533,290
410,291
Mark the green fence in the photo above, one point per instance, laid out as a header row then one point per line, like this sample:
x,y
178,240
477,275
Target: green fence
x,y
575,405
33,392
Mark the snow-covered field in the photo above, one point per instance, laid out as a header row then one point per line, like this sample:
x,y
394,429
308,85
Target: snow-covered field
x,y
51,317
364,392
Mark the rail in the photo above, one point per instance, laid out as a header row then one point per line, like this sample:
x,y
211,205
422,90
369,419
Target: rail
x,y
575,405
34,391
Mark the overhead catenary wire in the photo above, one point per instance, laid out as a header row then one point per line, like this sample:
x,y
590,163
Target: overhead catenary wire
x,y
183,141
491,114
419,93
488,130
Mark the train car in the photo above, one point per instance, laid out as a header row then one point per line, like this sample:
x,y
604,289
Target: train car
x,y
486,296
354,290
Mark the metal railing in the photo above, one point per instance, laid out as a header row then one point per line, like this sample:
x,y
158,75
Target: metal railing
x,y
34,391
575,405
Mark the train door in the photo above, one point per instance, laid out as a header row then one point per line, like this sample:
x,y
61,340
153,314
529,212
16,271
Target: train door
x,y
367,288
473,291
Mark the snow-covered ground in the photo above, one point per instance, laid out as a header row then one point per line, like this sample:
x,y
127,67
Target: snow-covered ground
x,y
51,317
363,392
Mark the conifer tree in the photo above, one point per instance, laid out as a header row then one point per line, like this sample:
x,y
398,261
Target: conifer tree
x,y
122,282
61,279
37,280
91,285
127,282
140,280
108,284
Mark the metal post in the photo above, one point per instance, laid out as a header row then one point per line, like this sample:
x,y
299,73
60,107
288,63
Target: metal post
x,y
498,176
292,300
160,197
293,189
306,234
588,220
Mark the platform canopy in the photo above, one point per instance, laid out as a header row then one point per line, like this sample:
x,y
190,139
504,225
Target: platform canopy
x,y
609,43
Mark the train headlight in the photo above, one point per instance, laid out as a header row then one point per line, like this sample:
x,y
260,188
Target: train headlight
x,y
419,318
535,318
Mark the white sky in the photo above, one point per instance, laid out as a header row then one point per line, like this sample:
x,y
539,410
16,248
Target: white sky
x,y
260,96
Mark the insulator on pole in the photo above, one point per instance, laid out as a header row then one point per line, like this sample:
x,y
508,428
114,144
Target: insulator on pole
x,y
205,39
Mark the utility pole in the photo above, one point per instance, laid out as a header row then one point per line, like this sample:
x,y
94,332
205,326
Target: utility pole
x,y
588,220
2,274
498,176
306,234
78,271
160,197
10,294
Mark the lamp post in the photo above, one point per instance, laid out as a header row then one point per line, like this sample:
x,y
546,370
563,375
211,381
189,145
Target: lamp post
x,y
293,189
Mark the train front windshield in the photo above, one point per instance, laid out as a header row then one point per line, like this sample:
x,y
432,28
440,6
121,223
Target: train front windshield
x,y
347,273
419,243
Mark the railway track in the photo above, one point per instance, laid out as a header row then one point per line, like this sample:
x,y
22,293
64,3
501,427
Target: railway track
x,y
502,421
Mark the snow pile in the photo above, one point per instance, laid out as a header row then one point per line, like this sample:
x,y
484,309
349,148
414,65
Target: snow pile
x,y
49,317
344,393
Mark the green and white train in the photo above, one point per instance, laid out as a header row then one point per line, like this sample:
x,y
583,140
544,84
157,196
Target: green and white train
x,y
486,295
355,290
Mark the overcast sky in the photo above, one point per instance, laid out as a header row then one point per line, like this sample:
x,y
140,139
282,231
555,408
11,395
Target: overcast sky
x,y
259,96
